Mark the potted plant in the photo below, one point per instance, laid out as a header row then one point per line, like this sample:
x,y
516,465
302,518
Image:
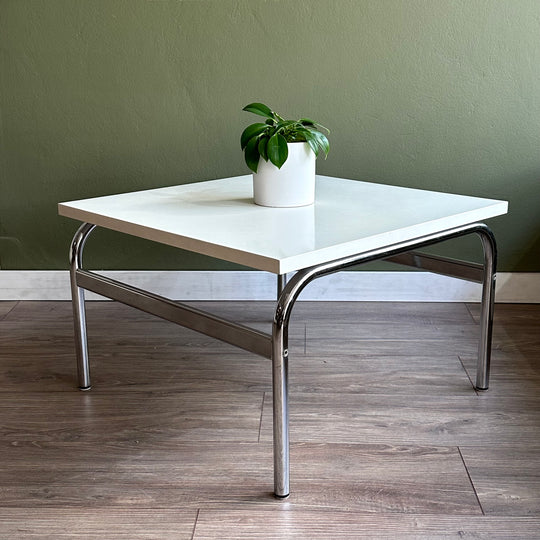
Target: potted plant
x,y
281,153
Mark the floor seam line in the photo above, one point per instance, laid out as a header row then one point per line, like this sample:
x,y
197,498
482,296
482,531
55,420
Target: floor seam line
x,y
261,418
470,480
467,373
470,313
5,316
195,524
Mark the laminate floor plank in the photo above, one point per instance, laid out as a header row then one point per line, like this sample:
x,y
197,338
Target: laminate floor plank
x,y
148,369
515,363
234,524
510,314
95,416
382,478
526,341
513,376
423,418
402,331
369,374
167,474
400,339
153,367
97,524
507,479
139,473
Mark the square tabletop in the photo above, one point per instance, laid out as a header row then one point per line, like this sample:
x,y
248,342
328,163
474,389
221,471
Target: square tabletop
x,y
218,218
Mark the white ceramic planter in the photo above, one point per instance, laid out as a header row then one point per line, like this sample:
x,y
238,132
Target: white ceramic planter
x,y
292,185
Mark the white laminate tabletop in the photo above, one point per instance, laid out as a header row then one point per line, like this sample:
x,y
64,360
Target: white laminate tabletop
x,y
218,218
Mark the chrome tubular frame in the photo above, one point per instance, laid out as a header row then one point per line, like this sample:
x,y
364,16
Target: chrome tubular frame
x,y
236,334
275,346
77,300
303,277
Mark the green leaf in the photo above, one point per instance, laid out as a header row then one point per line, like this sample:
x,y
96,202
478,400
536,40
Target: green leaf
x,y
306,122
277,150
314,146
259,108
251,154
312,140
251,131
322,141
263,143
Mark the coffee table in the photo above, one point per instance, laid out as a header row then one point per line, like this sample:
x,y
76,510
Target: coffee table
x,y
351,223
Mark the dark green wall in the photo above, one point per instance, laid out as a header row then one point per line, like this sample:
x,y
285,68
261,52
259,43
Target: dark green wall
x,y
105,96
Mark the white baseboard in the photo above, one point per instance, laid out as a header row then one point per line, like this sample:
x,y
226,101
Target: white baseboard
x,y
215,285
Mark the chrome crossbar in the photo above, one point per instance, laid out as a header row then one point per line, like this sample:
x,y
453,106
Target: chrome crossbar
x,y
236,334
440,265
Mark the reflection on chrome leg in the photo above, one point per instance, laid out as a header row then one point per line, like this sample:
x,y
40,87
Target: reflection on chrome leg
x,y
77,301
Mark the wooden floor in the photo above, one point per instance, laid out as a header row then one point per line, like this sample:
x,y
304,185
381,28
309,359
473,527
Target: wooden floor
x,y
389,439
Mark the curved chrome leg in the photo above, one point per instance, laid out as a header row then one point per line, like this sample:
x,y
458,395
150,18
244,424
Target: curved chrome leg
x,y
280,396
77,300
486,316
303,277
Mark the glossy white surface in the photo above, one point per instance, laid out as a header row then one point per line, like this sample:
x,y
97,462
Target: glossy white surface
x,y
218,218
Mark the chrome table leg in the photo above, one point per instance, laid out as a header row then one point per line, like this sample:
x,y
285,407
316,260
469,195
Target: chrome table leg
x,y
486,315
77,301
280,396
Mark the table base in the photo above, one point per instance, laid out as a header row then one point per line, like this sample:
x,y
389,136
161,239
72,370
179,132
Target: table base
x,y
274,346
